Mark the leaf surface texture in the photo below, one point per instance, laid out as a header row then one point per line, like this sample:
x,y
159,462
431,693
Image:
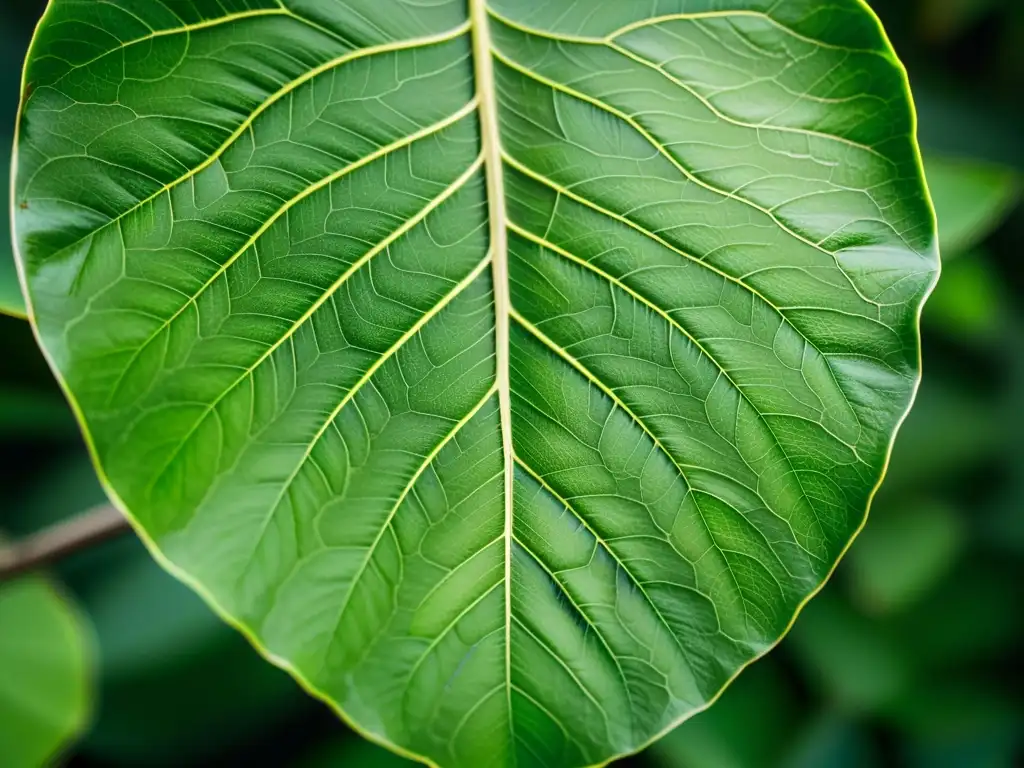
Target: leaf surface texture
x,y
510,373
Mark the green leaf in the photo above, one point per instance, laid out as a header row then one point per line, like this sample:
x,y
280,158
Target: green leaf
x,y
739,731
925,454
509,374
857,667
176,684
971,198
45,682
903,553
970,301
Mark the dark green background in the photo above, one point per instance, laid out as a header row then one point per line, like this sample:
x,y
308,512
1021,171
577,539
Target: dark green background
x,y
910,657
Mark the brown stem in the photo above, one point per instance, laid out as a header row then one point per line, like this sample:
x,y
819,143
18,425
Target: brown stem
x,y
64,538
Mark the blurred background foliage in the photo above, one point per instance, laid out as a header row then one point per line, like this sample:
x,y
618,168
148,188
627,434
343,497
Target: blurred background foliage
x,y
909,657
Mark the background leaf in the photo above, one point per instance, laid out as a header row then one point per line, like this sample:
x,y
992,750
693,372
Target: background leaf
x,y
175,683
858,668
969,303
926,452
970,199
45,677
903,554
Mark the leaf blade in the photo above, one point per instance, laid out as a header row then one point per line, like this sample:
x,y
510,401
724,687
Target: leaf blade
x,y
670,400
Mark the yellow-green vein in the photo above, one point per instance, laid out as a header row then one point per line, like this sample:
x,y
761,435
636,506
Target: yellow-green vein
x,y
491,146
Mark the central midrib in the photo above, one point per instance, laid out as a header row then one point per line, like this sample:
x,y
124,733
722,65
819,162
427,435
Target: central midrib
x,y
491,149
